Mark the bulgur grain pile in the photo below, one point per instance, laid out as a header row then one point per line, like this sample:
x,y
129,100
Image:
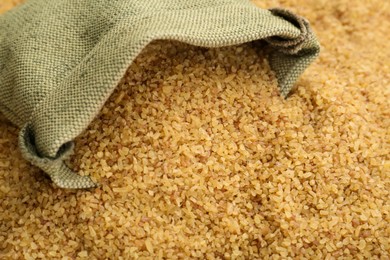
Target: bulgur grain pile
x,y
198,156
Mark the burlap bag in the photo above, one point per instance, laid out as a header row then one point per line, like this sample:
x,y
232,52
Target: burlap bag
x,y
60,60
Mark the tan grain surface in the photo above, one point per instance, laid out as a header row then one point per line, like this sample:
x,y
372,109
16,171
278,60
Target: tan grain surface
x,y
198,156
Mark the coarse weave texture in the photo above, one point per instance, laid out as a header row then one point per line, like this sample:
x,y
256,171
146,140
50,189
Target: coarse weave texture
x,y
199,157
61,60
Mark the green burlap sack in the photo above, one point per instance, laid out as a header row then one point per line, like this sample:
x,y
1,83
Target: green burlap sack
x,y
60,60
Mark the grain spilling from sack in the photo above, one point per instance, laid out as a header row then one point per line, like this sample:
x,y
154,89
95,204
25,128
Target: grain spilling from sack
x,y
198,156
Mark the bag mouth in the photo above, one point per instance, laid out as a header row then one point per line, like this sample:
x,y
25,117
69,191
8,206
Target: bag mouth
x,y
97,56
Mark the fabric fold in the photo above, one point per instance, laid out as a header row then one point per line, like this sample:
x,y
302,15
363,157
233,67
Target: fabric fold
x,y
292,55
59,173
61,60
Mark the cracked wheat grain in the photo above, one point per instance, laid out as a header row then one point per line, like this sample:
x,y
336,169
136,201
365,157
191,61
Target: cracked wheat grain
x,y
198,156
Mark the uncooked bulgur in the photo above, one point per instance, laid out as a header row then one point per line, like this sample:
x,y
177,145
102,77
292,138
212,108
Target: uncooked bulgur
x,y
198,156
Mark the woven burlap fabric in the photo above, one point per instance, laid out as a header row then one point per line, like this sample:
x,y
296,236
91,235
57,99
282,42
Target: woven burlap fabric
x,y
60,60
